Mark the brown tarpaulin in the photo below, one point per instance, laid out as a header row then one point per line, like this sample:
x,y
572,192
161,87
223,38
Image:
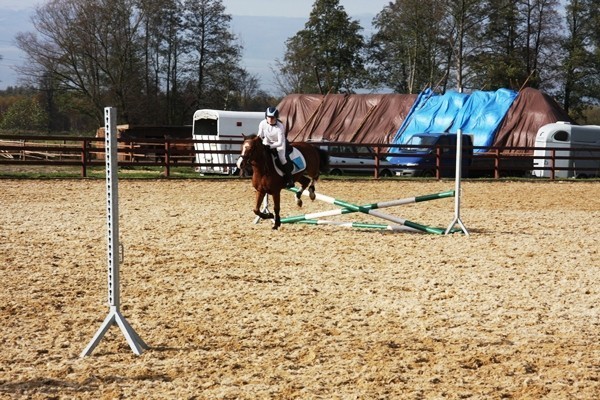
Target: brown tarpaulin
x,y
530,111
375,118
357,118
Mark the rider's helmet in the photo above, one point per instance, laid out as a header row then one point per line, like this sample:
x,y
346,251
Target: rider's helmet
x,y
272,112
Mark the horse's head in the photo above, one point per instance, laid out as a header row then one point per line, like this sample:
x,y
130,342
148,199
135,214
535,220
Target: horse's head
x,y
252,151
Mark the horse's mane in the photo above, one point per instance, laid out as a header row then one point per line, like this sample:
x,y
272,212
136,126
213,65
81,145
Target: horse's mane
x,y
262,156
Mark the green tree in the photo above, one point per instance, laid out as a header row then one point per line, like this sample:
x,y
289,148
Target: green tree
x,y
578,67
25,114
326,56
421,43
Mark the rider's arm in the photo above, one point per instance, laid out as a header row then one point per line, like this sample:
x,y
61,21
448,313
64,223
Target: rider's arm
x,y
280,137
261,133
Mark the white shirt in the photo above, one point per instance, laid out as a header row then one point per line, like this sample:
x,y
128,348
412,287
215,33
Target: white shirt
x,y
272,135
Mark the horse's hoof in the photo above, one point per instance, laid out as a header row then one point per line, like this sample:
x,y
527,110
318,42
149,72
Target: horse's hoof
x,y
263,215
312,196
299,202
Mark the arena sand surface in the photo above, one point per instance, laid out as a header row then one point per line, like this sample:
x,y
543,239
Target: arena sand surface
x,y
234,310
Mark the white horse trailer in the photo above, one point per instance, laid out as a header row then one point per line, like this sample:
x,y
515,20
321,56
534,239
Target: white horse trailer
x,y
574,146
219,125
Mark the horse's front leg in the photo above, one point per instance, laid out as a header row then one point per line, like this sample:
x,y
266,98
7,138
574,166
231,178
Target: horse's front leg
x,y
260,196
276,199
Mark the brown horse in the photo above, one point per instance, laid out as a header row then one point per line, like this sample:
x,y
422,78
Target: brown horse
x,y
266,180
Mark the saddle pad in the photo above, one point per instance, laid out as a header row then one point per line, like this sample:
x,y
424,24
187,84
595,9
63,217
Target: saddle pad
x,y
298,162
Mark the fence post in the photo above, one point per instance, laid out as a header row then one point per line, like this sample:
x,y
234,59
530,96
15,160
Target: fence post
x,y
376,175
84,146
497,164
167,158
438,162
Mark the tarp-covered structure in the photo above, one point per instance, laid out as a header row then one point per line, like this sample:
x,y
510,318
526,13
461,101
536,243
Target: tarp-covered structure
x,y
356,118
477,114
531,110
501,118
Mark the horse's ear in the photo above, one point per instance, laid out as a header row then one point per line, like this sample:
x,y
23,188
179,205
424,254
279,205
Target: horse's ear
x,y
243,136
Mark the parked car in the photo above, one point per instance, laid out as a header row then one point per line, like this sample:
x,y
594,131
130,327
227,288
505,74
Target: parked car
x,y
347,159
421,161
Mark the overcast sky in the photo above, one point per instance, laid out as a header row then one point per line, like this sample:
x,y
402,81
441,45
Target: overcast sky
x,y
14,17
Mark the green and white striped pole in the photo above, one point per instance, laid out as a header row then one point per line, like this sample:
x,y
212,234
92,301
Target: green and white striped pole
x,y
359,225
371,210
371,206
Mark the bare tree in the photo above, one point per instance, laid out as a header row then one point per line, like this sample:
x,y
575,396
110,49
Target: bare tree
x,y
519,44
405,53
90,48
213,54
163,51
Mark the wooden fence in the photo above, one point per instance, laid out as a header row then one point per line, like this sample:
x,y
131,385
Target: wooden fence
x,y
86,152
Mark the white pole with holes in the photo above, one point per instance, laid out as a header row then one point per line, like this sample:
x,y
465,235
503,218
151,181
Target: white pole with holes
x,y
112,221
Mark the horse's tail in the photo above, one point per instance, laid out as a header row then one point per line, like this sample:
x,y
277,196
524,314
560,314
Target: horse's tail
x,y
323,160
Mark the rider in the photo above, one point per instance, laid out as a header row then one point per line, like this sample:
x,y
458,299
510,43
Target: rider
x,y
272,132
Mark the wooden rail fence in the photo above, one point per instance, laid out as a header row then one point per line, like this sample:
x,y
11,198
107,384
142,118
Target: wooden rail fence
x,y
86,152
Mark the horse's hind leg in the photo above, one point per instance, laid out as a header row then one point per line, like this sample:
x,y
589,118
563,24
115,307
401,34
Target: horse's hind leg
x,y
311,190
304,182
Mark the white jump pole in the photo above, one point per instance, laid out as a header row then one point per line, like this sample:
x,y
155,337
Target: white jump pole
x,y
457,178
112,220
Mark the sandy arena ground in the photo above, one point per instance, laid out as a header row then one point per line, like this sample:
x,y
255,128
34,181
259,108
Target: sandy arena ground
x,y
234,310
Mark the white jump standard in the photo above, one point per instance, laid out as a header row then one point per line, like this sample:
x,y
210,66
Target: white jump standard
x,y
112,218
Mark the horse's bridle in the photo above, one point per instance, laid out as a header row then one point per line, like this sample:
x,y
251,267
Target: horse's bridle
x,y
246,157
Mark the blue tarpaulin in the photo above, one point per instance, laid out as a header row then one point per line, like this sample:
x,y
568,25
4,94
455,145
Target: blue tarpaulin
x,y
478,114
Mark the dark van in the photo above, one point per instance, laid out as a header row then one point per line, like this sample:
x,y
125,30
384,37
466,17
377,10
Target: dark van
x,y
420,160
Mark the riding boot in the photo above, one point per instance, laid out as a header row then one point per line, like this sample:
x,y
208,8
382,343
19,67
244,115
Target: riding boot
x,y
288,167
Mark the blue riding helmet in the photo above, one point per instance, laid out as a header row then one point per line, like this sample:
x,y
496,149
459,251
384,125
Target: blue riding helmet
x,y
272,112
